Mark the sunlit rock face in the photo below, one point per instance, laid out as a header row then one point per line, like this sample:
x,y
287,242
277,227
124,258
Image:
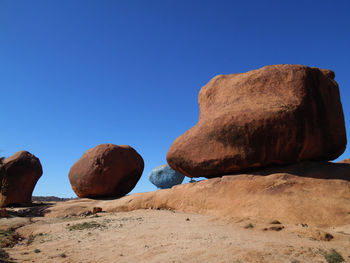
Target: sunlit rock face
x,y
165,177
280,114
18,177
106,170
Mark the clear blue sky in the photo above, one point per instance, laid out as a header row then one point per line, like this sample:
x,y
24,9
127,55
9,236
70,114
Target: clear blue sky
x,y
74,74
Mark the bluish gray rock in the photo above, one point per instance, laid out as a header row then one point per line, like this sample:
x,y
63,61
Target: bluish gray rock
x,y
165,177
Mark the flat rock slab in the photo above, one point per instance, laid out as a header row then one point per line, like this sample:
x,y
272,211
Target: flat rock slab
x,y
292,196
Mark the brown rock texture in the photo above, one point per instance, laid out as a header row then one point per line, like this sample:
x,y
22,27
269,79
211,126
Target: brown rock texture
x,y
345,161
18,177
106,170
295,194
96,210
3,212
280,114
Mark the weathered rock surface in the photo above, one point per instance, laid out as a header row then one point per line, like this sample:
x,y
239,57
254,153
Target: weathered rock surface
x,y
345,161
18,177
106,170
279,114
3,212
165,177
299,195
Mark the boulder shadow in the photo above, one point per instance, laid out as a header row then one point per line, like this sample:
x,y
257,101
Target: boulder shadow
x,y
311,169
32,210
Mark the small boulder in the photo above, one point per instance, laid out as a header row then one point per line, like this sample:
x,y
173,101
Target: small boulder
x,y
106,170
96,210
165,177
3,212
276,115
18,177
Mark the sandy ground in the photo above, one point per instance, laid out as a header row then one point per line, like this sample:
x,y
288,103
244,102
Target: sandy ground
x,y
169,236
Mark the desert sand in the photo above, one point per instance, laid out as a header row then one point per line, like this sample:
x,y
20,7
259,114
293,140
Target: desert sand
x,y
170,236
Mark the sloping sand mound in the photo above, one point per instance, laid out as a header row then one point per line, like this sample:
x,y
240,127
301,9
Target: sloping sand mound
x,y
303,194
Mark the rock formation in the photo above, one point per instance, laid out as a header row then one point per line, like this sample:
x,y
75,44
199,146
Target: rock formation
x,y
165,177
296,194
275,115
106,170
18,177
345,161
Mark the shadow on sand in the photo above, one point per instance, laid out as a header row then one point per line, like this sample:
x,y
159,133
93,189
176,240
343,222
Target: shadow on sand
x,y
33,210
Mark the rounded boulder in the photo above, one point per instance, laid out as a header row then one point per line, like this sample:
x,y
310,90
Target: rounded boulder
x,y
165,177
18,177
106,170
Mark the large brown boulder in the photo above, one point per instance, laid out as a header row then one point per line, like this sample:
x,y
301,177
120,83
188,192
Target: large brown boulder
x,y
106,170
279,114
18,177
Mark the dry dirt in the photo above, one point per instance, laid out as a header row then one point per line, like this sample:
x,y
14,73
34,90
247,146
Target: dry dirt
x,y
168,236
294,216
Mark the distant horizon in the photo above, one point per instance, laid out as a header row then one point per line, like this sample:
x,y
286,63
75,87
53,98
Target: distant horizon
x,y
75,74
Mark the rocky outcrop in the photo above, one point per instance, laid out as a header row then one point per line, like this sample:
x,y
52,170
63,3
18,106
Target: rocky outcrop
x,y
106,170
275,115
301,194
345,161
165,177
18,177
